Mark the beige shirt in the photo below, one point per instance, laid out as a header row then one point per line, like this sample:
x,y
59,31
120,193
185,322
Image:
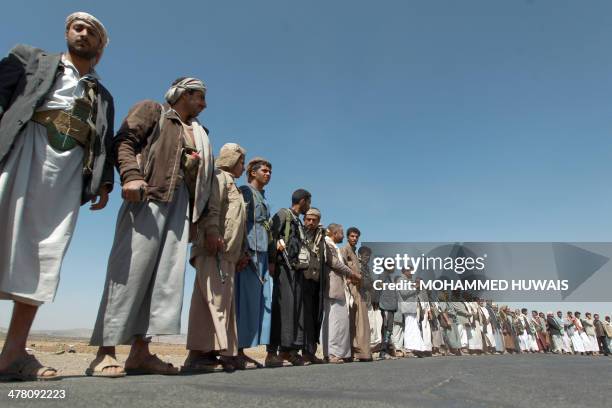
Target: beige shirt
x,y
226,217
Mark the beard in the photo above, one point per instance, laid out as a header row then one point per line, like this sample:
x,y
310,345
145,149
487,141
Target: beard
x,y
82,52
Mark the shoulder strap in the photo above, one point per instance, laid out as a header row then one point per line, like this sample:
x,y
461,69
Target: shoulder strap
x,y
287,224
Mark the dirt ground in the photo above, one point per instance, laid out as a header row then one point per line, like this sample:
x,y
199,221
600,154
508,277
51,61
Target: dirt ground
x,y
73,356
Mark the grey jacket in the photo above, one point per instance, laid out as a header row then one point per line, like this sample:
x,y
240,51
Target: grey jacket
x,y
27,74
387,298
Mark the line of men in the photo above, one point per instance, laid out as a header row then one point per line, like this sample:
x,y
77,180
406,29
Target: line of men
x,y
281,281
257,283
414,323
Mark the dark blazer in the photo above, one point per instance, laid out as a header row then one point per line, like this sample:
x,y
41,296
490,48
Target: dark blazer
x,y
27,75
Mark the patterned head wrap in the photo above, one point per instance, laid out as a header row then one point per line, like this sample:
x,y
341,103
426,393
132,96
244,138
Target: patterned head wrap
x,y
176,90
97,27
314,211
229,155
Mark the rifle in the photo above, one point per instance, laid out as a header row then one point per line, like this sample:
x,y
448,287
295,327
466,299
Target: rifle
x,y
256,270
285,255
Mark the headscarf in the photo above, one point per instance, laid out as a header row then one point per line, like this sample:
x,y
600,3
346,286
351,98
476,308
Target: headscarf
x,y
314,211
97,27
174,93
229,155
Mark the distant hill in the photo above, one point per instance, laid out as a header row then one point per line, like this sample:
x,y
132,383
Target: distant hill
x,y
68,333
85,334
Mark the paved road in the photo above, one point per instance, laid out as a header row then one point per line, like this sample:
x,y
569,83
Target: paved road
x,y
483,381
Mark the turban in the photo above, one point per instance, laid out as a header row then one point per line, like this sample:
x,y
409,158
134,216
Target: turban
x,y
229,155
549,313
176,90
314,211
97,27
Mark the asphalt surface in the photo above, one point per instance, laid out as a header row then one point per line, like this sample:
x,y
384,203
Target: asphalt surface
x,y
480,381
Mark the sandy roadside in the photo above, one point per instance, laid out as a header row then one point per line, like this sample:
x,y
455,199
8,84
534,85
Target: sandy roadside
x,y
72,356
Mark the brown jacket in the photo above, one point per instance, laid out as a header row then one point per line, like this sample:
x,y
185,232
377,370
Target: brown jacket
x,y
335,273
145,153
351,260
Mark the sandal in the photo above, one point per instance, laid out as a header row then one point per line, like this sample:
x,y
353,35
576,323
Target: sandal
x,y
251,362
228,363
102,362
273,361
203,364
293,358
152,365
28,368
334,360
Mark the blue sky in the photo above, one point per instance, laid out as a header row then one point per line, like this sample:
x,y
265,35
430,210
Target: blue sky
x,y
415,121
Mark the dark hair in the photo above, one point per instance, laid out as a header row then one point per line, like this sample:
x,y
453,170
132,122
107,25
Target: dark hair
x,y
364,250
352,230
256,165
299,195
524,310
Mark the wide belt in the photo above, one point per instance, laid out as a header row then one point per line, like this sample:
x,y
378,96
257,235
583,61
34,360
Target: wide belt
x,y
65,131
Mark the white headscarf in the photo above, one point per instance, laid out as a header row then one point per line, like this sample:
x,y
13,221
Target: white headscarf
x,y
174,93
96,25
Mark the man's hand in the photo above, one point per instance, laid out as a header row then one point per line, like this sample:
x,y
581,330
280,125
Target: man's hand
x,y
193,232
271,268
280,245
242,262
355,277
214,244
99,201
134,191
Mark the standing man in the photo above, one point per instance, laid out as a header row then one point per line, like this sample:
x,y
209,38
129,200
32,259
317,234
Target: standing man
x,y
254,284
166,166
360,326
335,329
388,305
212,315
554,328
288,261
589,331
449,323
56,129
540,332
314,285
567,343
371,298
607,325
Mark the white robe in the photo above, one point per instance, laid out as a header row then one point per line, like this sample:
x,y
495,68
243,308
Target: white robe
x,y
489,335
376,321
413,341
40,197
